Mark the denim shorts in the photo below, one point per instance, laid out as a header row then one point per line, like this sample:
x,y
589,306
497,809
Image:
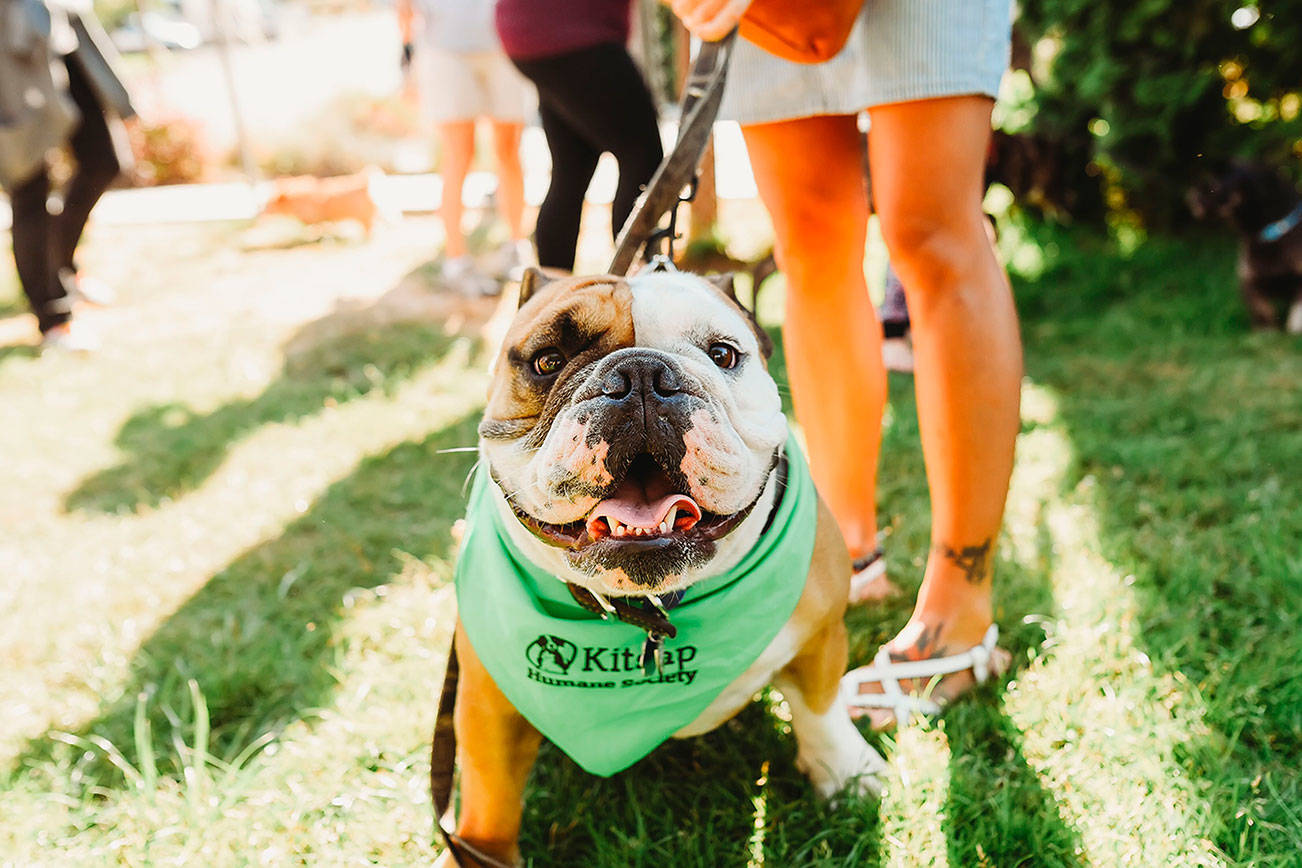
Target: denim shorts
x,y
899,51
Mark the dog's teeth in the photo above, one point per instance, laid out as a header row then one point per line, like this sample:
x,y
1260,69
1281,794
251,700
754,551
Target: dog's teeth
x,y
664,527
620,530
672,518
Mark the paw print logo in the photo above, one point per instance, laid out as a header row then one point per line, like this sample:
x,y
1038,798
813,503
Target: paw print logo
x,y
551,654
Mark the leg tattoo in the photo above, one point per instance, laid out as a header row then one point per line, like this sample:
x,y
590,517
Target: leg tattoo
x,y
974,561
925,646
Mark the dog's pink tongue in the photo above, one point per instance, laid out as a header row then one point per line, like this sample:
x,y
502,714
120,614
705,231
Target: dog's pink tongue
x,y
632,506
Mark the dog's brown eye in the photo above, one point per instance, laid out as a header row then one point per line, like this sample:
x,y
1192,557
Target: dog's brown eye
x,y
548,362
723,355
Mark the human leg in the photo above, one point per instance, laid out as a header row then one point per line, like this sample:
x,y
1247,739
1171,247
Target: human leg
x,y
510,175
32,228
628,129
97,167
601,97
926,160
457,144
897,353
573,162
810,176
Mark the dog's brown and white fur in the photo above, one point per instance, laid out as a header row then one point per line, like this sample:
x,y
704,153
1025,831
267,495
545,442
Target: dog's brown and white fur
x,y
656,385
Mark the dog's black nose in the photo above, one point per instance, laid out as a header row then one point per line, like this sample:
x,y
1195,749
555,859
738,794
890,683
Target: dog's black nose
x,y
641,378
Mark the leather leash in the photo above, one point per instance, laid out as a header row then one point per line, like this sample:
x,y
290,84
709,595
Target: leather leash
x,y
443,757
701,98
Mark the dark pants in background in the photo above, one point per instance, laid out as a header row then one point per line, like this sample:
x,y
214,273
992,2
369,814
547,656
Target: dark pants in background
x,y
590,100
44,243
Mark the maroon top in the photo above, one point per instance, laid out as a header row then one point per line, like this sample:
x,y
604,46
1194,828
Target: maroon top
x,y
540,28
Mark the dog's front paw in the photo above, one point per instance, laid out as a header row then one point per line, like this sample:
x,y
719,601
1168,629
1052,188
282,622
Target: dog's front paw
x,y
839,759
852,768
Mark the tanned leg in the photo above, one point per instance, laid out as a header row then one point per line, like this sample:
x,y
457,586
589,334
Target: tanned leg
x,y
496,748
810,177
927,159
457,139
510,175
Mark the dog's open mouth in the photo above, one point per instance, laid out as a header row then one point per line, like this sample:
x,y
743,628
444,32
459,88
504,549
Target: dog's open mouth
x,y
645,506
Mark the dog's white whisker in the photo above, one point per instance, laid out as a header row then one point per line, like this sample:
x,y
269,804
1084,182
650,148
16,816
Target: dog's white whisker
x,y
470,474
604,603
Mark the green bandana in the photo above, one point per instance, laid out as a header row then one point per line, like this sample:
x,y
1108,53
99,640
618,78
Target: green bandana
x,y
577,678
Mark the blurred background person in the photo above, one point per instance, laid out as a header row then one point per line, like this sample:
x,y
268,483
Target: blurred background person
x,y
462,75
897,352
591,98
57,87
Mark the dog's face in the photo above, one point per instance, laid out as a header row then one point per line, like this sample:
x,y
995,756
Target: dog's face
x,y
1246,193
632,431
1218,198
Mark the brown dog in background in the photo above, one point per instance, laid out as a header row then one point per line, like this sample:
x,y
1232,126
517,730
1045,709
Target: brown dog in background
x,y
1265,209
316,200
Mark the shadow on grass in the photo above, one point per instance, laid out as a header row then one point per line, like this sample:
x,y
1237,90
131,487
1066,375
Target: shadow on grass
x,y
992,788
355,350
729,798
12,300
258,636
1190,429
19,351
172,449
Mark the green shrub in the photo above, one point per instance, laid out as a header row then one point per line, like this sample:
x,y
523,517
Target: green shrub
x,y
1143,96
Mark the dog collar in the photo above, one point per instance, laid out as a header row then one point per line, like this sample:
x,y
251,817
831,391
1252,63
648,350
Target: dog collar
x,y
1281,227
653,613
593,686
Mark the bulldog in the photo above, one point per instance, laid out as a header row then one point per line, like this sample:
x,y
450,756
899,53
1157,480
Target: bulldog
x,y
644,549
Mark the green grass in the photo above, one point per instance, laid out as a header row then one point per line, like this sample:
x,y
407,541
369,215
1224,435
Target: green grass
x,y
11,294
226,601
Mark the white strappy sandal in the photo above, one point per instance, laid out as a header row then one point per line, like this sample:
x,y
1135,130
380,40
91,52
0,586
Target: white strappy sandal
x,y
888,673
868,577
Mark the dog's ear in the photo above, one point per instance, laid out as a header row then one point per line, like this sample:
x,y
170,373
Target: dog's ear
x,y
725,284
534,279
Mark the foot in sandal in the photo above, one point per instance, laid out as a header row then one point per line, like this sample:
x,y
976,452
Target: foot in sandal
x,y
920,671
868,580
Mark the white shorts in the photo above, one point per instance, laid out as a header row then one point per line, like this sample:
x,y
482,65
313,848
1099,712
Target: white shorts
x,y
899,51
465,86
